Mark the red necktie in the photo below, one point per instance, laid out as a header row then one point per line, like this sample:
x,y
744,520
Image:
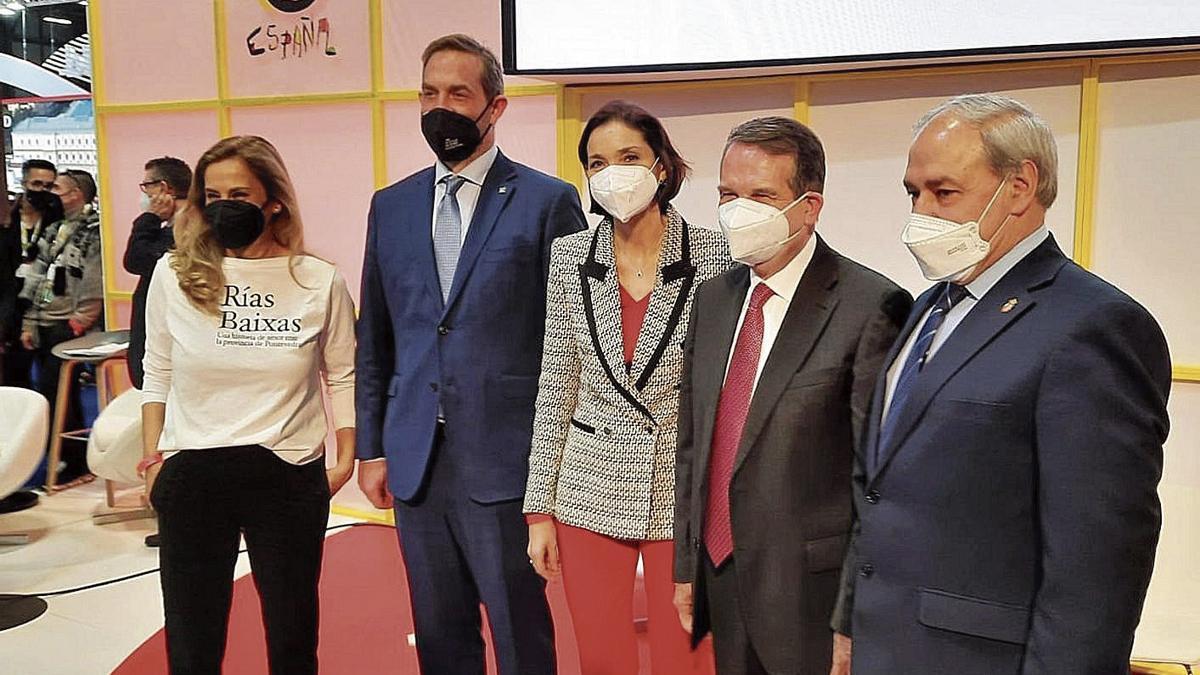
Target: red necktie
x,y
731,418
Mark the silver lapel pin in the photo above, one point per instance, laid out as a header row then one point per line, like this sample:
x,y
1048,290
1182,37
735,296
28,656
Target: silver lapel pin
x,y
503,189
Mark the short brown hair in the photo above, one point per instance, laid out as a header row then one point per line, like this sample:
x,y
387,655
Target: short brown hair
x,y
652,130
174,172
491,74
784,136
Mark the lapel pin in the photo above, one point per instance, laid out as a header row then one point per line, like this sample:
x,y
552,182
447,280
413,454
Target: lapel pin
x,y
503,189
1008,306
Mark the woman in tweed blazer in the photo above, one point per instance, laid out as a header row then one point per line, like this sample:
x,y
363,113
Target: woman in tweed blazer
x,y
601,486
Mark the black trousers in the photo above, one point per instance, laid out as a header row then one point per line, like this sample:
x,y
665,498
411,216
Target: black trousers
x,y
74,452
205,499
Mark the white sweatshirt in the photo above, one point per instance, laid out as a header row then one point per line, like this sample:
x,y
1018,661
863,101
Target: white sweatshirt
x,y
252,375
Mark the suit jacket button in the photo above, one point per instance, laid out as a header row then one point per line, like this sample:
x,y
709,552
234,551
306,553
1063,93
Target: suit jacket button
x,y
433,386
866,571
607,431
872,497
442,330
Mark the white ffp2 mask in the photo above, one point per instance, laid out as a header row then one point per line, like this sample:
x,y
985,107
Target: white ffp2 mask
x,y
624,190
946,250
756,231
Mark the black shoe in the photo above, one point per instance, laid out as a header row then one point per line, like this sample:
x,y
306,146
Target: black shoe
x,y
152,540
18,501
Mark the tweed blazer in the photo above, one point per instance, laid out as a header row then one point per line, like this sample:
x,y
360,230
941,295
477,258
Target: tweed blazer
x,y
603,450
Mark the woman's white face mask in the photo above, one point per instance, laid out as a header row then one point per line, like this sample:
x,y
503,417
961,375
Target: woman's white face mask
x,y
946,250
624,190
756,231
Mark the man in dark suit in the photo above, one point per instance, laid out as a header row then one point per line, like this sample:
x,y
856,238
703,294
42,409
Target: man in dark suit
x,y
1006,491
779,362
449,350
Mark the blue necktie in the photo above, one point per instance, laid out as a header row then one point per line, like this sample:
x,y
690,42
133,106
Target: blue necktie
x,y
950,296
447,234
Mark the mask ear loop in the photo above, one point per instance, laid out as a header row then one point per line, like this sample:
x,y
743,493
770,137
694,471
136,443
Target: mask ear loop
x,y
995,195
481,114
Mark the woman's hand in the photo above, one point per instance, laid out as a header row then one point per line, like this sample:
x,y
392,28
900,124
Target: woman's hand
x,y
543,549
338,475
151,476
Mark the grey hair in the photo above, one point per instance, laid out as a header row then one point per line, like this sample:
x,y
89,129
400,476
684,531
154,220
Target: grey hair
x,y
1012,133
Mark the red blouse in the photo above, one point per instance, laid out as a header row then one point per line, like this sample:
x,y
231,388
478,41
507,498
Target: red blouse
x,y
633,314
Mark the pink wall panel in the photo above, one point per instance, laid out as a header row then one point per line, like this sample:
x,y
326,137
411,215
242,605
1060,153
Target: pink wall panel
x,y
122,310
133,139
303,67
409,26
407,151
327,150
526,133
155,50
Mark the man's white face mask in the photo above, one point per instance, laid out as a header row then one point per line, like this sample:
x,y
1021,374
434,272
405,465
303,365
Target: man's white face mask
x,y
946,250
756,231
624,190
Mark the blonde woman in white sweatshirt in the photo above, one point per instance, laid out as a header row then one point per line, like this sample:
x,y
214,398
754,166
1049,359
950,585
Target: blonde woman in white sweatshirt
x,y
243,329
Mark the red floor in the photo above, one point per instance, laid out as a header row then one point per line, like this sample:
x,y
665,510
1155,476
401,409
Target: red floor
x,y
364,616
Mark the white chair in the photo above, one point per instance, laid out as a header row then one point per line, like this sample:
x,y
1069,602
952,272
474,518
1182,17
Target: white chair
x,y
25,419
114,449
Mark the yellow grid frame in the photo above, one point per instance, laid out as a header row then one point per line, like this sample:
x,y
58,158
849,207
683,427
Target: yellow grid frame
x,y
569,99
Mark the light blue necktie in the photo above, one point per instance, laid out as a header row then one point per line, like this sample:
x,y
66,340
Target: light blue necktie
x,y
949,296
447,234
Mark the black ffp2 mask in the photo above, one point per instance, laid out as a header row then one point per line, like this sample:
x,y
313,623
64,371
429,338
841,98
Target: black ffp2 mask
x,y
235,224
42,200
453,136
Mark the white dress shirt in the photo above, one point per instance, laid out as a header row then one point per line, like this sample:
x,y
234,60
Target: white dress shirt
x,y
468,193
784,284
975,290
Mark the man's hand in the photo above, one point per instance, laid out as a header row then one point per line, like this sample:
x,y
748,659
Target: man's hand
x,y
27,340
77,328
163,206
372,480
684,604
841,655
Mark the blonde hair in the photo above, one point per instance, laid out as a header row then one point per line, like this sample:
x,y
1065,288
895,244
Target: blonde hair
x,y
198,256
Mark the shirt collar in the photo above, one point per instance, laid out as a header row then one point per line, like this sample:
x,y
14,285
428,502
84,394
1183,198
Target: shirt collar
x,y
785,281
474,172
992,275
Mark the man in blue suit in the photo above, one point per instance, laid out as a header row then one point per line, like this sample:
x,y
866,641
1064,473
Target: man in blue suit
x,y
1006,491
449,352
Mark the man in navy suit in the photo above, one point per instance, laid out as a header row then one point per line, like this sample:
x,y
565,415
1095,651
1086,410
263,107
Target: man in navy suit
x,y
449,352
1006,491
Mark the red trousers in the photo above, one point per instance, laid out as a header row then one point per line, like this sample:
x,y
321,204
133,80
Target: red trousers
x,y
598,574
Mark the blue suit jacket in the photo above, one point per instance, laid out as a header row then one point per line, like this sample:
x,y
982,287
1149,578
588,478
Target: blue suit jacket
x,y
479,354
1010,526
